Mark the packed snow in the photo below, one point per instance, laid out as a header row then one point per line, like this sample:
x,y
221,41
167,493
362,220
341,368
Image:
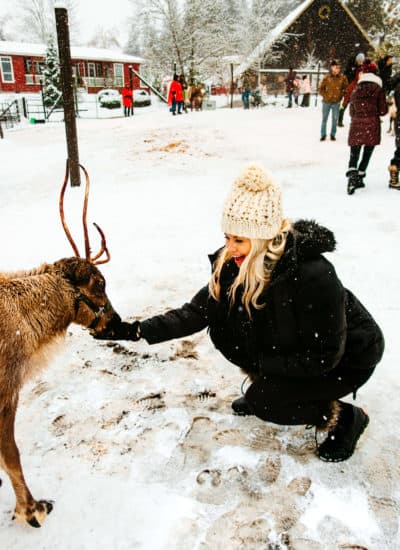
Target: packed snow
x,y
136,444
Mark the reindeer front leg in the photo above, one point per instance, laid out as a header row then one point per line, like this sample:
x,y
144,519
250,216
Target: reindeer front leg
x,y
27,508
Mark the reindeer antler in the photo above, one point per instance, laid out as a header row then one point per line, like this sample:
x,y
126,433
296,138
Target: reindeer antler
x,y
103,249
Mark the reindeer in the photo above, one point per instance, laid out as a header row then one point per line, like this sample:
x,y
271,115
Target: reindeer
x,y
36,308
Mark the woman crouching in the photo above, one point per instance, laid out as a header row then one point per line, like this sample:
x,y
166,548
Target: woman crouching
x,y
275,307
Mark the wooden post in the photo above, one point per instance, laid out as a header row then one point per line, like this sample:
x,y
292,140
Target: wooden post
x,y
318,74
42,96
67,87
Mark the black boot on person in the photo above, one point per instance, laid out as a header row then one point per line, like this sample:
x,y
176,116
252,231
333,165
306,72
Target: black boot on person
x,y
354,181
241,407
345,427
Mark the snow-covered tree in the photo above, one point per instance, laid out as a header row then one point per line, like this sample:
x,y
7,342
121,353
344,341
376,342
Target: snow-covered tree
x,y
381,19
390,36
37,19
105,38
51,73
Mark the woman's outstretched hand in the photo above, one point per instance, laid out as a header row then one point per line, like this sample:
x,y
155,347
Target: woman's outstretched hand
x,y
120,330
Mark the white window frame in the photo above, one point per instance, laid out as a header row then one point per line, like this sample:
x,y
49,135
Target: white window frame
x,y
92,68
121,76
9,59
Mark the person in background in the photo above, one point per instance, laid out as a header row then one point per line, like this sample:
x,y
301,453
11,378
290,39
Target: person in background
x,y
305,89
352,73
290,86
184,85
296,91
127,100
332,90
367,105
175,96
275,307
395,162
246,97
385,67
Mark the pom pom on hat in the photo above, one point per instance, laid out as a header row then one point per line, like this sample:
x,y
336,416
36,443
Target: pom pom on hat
x,y
360,58
253,208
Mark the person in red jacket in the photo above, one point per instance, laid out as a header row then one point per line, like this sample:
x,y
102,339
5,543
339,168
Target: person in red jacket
x,y
175,96
367,105
127,100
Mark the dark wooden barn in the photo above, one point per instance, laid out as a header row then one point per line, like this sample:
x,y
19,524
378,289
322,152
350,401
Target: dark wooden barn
x,y
321,30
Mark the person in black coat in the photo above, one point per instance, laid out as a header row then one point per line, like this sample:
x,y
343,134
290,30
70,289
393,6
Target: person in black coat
x,y
385,66
275,308
395,161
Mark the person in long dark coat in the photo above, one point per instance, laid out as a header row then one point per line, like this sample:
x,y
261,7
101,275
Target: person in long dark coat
x,y
290,86
276,308
367,104
394,167
385,68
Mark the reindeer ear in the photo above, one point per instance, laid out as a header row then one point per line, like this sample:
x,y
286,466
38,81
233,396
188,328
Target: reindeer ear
x,y
76,270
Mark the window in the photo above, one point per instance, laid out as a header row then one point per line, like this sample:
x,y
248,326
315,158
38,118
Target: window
x,y
91,69
7,73
27,65
118,74
39,67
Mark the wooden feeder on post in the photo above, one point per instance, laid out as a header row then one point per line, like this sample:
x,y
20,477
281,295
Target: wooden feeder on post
x,y
67,88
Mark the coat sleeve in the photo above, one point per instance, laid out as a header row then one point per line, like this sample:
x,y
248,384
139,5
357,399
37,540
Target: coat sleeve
x,y
176,323
319,309
382,104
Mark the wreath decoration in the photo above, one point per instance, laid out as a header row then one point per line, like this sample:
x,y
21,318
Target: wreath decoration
x,y
324,12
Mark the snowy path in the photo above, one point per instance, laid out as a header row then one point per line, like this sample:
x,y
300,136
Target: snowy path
x,y
136,444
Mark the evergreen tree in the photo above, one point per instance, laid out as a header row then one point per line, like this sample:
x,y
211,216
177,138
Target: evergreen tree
x,y
51,73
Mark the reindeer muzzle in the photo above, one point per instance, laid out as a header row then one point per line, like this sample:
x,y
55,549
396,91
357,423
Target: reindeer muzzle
x,y
99,311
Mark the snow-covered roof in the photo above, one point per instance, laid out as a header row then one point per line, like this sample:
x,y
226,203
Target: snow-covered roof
x,y
281,28
77,52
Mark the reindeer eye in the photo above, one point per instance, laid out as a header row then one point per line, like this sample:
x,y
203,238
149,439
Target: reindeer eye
x,y
101,284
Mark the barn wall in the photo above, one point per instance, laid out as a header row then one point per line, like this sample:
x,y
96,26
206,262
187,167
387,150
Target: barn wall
x,y
326,28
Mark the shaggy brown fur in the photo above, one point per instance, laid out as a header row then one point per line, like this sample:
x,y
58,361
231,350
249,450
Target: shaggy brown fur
x,y
36,308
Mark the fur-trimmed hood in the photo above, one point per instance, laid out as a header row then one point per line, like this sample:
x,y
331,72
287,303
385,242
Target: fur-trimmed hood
x,y
370,77
307,241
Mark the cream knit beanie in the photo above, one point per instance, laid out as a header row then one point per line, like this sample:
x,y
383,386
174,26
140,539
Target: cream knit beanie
x,y
253,208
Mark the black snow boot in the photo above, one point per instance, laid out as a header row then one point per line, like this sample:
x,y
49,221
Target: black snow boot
x,y
394,177
241,407
348,423
361,176
354,181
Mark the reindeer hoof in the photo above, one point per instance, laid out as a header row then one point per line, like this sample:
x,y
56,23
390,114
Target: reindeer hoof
x,y
35,514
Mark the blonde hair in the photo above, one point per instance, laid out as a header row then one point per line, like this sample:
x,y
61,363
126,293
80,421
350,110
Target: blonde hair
x,y
255,272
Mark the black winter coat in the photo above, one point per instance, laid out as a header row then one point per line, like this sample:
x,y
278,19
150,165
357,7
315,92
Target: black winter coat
x,y
395,86
309,325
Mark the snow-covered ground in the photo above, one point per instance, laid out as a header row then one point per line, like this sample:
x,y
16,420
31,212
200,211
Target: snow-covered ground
x,y
136,444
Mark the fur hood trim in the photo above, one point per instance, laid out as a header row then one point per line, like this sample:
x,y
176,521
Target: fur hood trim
x,y
370,77
307,241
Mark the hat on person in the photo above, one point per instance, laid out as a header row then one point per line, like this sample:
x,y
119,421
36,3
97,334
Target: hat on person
x,y
360,58
253,208
369,67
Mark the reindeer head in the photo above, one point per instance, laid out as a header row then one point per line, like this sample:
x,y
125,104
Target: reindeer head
x,y
93,309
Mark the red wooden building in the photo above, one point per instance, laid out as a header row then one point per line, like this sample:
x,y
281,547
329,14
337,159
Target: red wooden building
x,y
21,67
